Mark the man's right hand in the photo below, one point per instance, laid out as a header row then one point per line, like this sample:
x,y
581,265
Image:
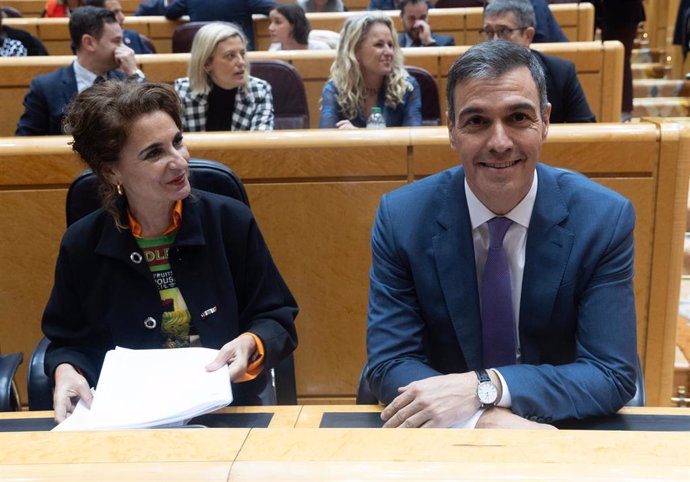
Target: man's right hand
x,y
125,60
424,32
70,387
435,402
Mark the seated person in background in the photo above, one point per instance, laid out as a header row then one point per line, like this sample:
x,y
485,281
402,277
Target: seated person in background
x,y
235,11
100,56
219,94
546,26
549,313
10,47
130,38
321,5
32,44
155,7
415,19
115,284
383,5
289,29
547,29
368,72
60,8
513,20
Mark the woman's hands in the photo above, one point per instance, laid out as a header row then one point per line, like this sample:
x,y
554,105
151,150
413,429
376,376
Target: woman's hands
x,y
344,124
70,387
236,354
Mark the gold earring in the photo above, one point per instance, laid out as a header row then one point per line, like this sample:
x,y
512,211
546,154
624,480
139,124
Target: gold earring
x,y
119,189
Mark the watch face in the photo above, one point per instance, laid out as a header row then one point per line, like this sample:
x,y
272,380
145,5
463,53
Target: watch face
x,y
487,393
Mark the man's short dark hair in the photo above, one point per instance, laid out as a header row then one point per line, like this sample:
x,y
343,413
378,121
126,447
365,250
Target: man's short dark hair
x,y
521,9
490,60
88,21
404,3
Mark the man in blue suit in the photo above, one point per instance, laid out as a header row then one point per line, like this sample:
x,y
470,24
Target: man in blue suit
x,y
98,40
415,20
568,271
514,20
235,11
154,7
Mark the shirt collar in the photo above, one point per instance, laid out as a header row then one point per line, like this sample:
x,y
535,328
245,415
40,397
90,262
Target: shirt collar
x,y
174,226
520,214
85,78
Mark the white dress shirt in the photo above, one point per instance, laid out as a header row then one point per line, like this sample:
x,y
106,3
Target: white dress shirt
x,y
514,244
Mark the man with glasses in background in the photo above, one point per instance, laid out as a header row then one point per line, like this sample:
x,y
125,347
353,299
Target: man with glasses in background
x,y
514,21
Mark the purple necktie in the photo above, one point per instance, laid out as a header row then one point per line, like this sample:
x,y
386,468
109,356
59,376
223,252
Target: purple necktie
x,y
498,328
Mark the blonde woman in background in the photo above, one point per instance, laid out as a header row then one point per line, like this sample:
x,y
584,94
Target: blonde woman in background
x,y
368,72
219,94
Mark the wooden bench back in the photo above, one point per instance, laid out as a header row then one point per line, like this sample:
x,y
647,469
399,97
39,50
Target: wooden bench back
x,y
315,193
599,67
576,20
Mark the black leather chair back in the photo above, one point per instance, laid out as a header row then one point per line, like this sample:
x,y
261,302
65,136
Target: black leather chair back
x,y
11,12
431,109
290,106
9,396
40,386
82,199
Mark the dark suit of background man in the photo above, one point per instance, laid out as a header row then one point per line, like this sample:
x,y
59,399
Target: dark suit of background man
x,y
98,40
569,251
130,38
415,20
154,7
235,11
514,20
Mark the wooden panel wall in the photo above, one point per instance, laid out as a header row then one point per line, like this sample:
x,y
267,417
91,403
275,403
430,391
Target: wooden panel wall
x,y
315,193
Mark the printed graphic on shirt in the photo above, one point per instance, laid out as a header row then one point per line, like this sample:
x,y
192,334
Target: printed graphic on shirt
x,y
176,315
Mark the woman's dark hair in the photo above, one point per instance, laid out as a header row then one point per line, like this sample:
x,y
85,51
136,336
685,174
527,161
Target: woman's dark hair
x,y
296,17
100,118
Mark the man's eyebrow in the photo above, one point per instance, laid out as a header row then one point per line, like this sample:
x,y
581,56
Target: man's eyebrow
x,y
471,111
523,106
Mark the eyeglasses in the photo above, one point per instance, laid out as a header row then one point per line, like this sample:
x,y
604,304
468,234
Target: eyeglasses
x,y
502,32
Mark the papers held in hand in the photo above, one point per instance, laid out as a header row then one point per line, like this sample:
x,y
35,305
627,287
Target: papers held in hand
x,y
152,388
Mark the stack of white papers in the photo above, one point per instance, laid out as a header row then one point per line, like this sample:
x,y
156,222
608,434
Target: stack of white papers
x,y
153,388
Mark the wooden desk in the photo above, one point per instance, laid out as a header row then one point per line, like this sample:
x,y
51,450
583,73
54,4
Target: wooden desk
x,y
287,453
409,454
229,417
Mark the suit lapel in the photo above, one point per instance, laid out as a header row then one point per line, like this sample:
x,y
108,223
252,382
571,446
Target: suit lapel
x,y
69,84
548,249
454,255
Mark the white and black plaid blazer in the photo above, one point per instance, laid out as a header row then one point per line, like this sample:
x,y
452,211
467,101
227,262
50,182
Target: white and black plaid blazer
x,y
253,107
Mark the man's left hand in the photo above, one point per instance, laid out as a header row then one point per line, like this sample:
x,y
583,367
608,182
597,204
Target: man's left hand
x,y
435,402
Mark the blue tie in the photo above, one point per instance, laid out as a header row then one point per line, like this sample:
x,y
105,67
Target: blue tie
x,y
498,327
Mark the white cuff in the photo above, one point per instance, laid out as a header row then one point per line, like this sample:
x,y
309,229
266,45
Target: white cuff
x,y
506,401
471,422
